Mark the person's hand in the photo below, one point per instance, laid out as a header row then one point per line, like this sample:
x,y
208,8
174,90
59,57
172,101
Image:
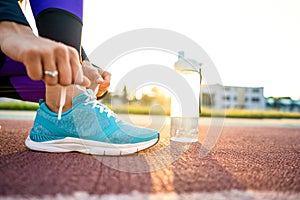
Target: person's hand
x,y
104,83
100,79
39,55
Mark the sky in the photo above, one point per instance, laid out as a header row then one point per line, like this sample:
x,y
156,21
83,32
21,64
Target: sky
x,y
251,42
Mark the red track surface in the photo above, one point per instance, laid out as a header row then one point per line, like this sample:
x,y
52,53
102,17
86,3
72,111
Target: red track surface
x,y
245,158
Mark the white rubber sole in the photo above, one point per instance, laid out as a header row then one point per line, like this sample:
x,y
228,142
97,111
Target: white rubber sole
x,y
70,144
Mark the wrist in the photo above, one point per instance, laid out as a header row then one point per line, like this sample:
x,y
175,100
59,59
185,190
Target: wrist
x,y
13,38
8,28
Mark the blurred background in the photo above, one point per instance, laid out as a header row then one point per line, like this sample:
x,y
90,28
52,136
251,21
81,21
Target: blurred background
x,y
254,44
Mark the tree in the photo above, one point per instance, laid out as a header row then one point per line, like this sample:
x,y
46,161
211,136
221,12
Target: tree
x,y
124,96
106,99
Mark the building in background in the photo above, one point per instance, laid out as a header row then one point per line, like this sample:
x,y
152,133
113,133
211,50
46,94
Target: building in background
x,y
251,98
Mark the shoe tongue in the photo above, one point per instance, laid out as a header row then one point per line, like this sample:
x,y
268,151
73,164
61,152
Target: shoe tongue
x,y
79,99
82,97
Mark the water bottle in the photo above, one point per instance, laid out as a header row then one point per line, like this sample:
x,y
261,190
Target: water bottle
x,y
184,125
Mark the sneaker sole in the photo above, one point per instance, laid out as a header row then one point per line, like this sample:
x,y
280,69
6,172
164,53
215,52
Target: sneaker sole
x,y
70,144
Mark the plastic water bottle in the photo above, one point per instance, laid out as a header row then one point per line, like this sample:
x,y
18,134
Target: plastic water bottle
x,y
184,123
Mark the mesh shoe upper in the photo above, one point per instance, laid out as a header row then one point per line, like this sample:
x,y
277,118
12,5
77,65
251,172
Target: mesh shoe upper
x,y
87,119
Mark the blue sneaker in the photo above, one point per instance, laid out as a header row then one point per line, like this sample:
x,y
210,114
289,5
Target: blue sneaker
x,y
88,127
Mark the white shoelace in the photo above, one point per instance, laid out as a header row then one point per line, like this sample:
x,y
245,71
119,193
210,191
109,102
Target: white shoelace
x,y
90,100
91,96
62,101
102,108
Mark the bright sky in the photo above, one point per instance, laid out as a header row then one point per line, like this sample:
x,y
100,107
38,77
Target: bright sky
x,y
251,42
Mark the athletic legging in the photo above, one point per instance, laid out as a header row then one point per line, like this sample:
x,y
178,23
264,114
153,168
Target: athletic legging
x,y
59,20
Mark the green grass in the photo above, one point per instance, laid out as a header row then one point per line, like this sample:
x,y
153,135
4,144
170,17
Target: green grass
x,y
18,105
157,110
257,114
140,110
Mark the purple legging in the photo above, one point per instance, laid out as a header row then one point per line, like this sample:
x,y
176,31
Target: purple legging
x,y
14,73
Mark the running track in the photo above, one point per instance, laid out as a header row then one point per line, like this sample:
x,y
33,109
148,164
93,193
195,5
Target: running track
x,y
248,162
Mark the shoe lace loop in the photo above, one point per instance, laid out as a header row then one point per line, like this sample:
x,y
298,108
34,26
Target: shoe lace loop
x,y
90,100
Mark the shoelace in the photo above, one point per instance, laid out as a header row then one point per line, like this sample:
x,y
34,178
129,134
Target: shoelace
x,y
63,94
62,101
92,100
102,108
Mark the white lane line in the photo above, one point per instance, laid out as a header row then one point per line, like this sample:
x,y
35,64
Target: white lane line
x,y
220,195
